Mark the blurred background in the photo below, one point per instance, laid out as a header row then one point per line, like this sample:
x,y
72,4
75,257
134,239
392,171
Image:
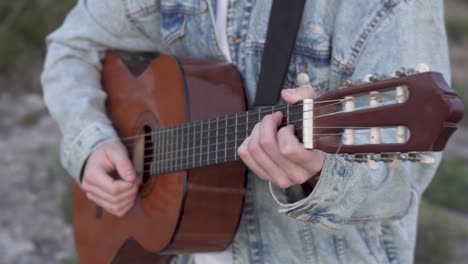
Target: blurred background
x,y
35,222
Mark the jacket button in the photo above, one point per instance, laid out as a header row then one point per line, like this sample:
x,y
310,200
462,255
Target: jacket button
x,y
302,79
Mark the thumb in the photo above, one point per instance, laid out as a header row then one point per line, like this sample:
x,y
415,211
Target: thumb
x,y
292,96
122,163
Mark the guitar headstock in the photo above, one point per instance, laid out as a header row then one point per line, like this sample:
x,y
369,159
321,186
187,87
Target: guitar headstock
x,y
387,117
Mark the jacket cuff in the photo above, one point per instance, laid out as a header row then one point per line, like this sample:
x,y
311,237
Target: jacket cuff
x,y
327,190
75,154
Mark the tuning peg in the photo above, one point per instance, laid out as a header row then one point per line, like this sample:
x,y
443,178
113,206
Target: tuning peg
x,y
370,78
356,158
372,164
426,159
418,157
348,83
401,72
394,164
422,67
411,71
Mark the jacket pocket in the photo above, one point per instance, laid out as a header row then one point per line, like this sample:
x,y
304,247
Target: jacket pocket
x,y
311,55
163,21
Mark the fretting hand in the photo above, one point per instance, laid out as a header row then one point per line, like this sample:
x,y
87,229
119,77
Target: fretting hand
x,y
277,155
116,196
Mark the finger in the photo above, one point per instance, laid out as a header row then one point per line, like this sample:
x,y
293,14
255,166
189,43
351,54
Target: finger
x,y
263,160
244,154
123,165
115,209
292,96
99,178
269,141
130,194
294,151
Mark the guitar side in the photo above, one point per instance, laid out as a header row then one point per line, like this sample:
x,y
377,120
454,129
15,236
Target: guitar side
x,y
171,211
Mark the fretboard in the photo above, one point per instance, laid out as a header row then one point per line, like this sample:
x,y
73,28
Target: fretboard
x,y
212,141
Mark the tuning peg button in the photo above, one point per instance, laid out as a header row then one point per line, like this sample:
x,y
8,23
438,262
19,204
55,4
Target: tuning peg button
x,y
426,159
422,67
394,164
372,164
401,72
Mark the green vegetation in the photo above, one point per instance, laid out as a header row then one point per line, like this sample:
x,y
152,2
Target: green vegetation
x,y
457,28
449,186
439,235
464,97
24,25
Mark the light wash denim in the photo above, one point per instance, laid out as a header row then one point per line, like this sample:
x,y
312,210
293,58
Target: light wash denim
x,y
353,215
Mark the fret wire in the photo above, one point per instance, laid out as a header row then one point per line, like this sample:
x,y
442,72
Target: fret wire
x,y
144,150
159,150
217,132
246,126
208,140
235,134
225,138
176,146
287,114
188,144
201,140
171,147
164,151
193,158
181,147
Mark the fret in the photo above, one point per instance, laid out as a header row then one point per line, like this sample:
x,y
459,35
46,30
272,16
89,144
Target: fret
x,y
167,151
201,143
186,164
153,153
181,161
287,114
225,137
246,124
163,150
208,144
216,144
194,143
176,147
231,138
235,140
159,150
171,138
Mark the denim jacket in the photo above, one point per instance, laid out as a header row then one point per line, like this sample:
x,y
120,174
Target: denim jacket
x,y
353,215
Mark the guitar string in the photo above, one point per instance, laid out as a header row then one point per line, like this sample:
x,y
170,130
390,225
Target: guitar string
x,y
228,117
199,153
220,143
199,162
242,125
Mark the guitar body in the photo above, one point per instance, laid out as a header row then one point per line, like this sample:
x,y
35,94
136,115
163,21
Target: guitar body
x,y
187,211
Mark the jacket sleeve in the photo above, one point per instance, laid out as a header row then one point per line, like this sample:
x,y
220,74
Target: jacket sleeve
x,y
71,75
392,35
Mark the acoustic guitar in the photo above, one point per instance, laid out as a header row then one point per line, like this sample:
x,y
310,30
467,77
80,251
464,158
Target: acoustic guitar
x,y
182,121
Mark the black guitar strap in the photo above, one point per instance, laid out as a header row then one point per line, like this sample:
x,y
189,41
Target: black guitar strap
x,y
285,18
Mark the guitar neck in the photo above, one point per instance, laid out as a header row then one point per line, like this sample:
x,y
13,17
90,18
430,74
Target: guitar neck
x,y
212,141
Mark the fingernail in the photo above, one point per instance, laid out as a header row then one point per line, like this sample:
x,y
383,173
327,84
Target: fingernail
x,y
288,92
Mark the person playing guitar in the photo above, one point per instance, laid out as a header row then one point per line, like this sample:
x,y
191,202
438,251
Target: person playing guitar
x,y
300,205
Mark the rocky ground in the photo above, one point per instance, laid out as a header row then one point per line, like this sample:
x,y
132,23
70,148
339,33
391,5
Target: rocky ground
x,y
33,228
